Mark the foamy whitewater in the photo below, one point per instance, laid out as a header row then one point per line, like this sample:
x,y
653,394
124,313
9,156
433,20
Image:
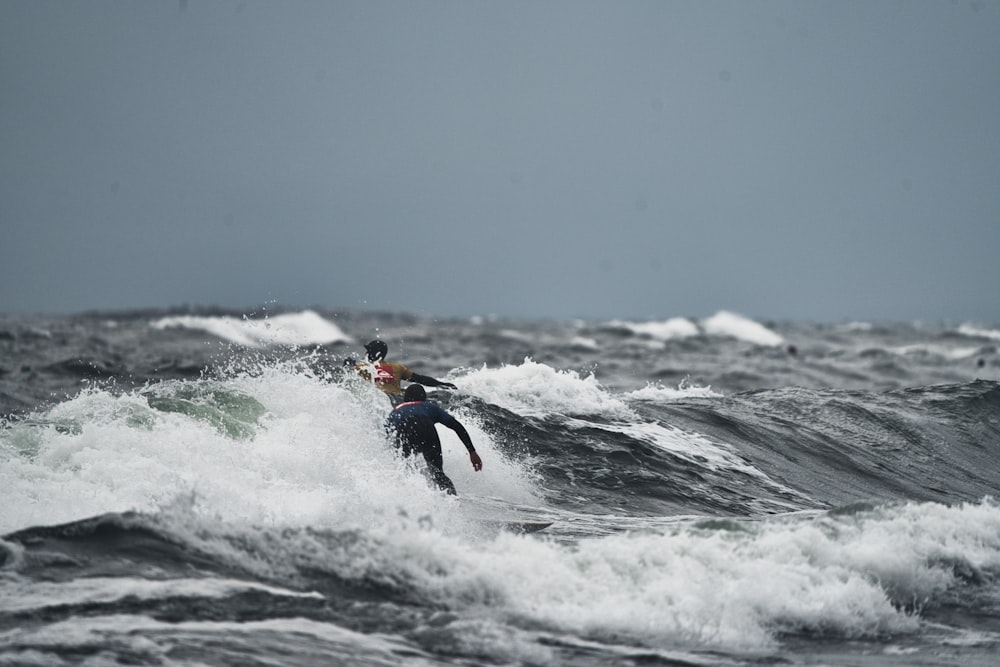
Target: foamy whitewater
x,y
213,488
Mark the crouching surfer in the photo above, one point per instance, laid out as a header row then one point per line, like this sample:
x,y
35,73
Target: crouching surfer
x,y
411,425
387,375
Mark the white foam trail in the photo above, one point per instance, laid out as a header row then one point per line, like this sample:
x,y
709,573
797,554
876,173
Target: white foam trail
x,y
692,447
297,329
28,595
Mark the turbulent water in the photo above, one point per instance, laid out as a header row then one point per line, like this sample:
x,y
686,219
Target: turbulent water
x,y
211,488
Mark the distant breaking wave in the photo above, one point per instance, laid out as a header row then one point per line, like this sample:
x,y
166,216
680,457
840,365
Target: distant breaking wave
x,y
976,332
723,324
309,328
303,328
736,326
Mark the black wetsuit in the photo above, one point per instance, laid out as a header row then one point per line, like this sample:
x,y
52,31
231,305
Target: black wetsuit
x,y
412,426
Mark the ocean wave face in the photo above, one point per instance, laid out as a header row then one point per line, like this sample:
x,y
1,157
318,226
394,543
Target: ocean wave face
x,y
189,487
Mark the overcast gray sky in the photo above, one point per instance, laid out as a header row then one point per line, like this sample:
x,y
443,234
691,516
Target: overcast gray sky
x,y
798,160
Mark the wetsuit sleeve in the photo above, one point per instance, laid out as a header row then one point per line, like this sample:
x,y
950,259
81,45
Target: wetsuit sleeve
x,y
428,381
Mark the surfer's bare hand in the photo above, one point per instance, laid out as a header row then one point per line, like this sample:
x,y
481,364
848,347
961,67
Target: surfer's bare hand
x,y
477,463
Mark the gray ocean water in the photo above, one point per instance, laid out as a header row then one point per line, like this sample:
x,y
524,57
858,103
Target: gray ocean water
x,y
209,487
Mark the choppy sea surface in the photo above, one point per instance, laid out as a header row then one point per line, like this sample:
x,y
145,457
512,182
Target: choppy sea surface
x,y
205,487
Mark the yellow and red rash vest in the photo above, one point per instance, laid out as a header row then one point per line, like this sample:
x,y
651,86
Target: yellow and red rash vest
x,y
388,375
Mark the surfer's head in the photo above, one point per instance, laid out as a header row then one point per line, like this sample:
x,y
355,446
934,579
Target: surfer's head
x,y
377,350
415,392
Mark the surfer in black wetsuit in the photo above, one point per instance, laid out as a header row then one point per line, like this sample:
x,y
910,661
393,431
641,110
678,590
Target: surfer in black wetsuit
x,y
411,424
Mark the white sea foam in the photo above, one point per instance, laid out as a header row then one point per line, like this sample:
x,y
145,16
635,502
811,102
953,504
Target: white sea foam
x,y
711,585
319,456
657,392
304,328
708,586
731,325
319,460
535,389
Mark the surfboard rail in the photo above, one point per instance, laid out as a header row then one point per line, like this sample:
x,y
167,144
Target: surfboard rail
x,y
520,527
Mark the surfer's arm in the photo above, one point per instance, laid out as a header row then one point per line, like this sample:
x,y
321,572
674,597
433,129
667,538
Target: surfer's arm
x,y
428,381
463,435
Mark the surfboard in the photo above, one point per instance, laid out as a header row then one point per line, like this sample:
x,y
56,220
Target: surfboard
x,y
521,527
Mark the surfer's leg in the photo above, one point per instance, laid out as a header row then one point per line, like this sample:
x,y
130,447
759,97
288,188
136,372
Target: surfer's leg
x,y
442,480
435,469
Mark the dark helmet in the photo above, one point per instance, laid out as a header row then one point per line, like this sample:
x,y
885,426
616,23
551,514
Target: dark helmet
x,y
376,350
415,392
